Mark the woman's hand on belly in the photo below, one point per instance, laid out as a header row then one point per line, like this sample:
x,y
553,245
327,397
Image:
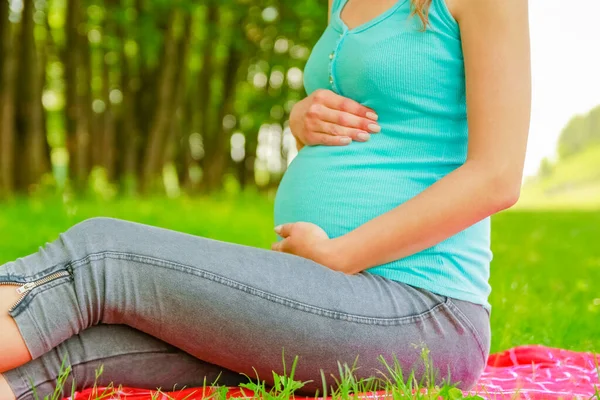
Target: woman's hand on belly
x,y
308,240
326,118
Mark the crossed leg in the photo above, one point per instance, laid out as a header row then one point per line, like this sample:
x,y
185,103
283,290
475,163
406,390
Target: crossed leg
x,y
127,357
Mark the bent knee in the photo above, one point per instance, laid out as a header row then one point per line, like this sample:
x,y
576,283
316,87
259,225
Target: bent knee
x,y
95,234
98,226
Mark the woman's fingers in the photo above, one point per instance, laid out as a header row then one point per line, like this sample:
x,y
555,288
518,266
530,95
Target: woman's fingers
x,y
358,135
334,120
326,139
343,118
336,102
283,246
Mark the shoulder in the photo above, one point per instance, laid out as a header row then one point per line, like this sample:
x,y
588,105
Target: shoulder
x,y
484,9
451,5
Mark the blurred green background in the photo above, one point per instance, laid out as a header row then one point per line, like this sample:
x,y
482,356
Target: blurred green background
x,y
174,113
140,96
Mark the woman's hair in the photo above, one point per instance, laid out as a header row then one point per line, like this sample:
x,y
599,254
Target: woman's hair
x,y
420,8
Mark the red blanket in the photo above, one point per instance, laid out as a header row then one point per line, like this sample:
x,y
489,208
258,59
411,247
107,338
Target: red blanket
x,y
527,372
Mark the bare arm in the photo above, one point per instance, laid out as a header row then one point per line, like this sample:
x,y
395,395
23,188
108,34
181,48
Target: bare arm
x,y
496,49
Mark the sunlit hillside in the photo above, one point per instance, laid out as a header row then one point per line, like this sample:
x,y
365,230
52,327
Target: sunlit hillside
x,y
571,183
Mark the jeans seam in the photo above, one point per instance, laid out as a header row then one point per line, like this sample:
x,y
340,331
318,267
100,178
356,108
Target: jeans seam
x,y
34,323
29,389
25,385
393,321
382,321
471,327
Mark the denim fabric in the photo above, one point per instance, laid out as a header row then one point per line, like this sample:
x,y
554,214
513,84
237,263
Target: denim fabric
x,y
159,308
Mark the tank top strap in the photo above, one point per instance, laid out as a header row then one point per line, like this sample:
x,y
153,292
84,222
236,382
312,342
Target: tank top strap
x,y
335,6
442,18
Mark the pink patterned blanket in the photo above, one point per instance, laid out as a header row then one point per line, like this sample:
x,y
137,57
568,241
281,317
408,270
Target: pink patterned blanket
x,y
526,372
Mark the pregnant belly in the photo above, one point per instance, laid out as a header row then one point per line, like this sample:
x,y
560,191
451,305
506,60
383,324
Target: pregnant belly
x,y
340,189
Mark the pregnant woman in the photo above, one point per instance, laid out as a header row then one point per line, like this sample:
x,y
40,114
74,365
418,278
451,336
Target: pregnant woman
x,y
413,134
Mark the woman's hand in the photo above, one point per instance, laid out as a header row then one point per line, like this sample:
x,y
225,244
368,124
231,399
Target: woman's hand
x,y
309,241
325,118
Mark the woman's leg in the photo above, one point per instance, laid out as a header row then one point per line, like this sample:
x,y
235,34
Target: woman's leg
x,y
11,341
149,363
6,393
237,306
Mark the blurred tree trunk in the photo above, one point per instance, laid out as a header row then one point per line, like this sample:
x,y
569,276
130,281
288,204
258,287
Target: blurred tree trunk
x,y
108,149
4,31
182,158
204,114
77,74
84,107
4,23
148,78
158,130
96,60
45,48
212,21
70,63
209,121
31,145
130,131
217,154
7,101
178,117
242,170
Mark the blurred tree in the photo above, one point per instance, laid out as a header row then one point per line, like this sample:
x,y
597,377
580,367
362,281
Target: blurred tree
x,y
77,80
546,168
581,132
8,70
146,95
31,143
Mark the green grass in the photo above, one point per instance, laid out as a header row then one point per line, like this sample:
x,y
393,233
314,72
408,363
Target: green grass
x,y
545,279
389,379
545,273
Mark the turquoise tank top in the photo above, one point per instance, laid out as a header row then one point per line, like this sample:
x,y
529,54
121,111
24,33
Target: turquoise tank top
x,y
415,82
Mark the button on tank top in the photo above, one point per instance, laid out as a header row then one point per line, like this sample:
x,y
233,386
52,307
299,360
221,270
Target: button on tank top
x,y
415,82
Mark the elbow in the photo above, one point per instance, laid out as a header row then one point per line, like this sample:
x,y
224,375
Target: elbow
x,y
509,198
504,189
499,185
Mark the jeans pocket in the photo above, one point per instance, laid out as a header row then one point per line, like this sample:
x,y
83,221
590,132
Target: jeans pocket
x,y
481,334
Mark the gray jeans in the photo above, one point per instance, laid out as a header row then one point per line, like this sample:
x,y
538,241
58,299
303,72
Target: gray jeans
x,y
159,308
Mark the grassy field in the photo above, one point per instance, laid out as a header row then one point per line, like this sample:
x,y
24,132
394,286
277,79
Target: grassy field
x,y
545,273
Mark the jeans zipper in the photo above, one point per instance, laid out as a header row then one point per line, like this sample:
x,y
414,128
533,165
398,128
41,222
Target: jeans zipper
x,y
24,288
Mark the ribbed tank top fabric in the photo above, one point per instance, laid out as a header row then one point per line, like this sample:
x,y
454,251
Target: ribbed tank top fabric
x,y
415,82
